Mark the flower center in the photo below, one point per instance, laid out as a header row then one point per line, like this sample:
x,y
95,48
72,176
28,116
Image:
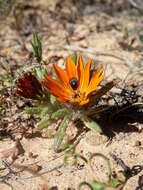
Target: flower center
x,y
78,97
74,83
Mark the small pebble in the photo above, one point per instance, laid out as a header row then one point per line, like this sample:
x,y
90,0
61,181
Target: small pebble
x,y
138,143
31,155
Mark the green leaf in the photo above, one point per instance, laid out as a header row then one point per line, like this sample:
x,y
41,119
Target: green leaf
x,y
40,73
43,123
65,145
94,125
91,124
60,133
97,186
71,158
37,47
114,182
59,114
33,110
45,110
74,58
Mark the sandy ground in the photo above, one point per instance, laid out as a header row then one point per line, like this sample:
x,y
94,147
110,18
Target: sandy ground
x,y
98,31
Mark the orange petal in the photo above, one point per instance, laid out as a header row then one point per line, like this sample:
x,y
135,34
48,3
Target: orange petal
x,y
95,81
61,99
80,69
55,88
55,92
84,77
71,69
87,74
61,74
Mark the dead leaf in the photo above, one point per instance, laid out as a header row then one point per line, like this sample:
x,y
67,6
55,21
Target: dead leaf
x,y
31,168
13,152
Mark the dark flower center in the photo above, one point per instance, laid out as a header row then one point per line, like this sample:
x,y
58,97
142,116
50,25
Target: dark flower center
x,y
74,83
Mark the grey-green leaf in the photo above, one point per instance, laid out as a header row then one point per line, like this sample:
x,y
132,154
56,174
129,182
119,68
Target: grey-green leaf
x,y
43,123
74,58
59,114
33,110
92,124
97,186
60,133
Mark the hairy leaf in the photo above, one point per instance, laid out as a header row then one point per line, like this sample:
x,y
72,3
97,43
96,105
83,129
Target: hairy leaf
x,y
43,123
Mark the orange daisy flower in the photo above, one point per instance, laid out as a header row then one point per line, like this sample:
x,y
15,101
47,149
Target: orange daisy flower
x,y
76,83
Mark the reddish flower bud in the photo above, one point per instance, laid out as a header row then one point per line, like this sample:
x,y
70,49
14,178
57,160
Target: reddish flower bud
x,y
28,86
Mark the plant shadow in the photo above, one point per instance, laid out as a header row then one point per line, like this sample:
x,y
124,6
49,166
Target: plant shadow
x,y
120,119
